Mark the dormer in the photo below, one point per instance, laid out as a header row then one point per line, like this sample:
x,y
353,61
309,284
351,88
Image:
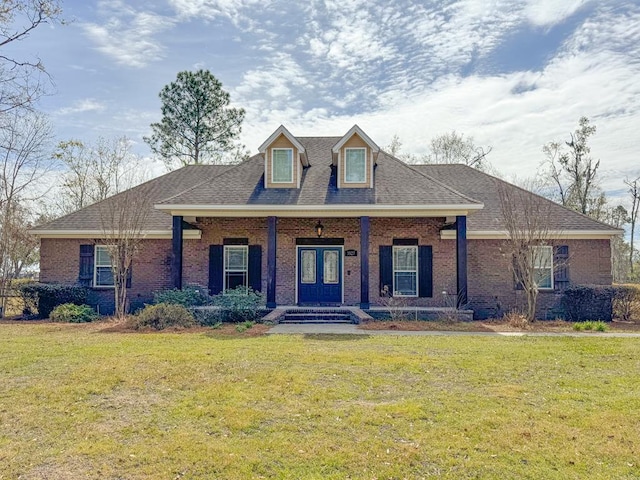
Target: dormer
x,y
354,156
284,157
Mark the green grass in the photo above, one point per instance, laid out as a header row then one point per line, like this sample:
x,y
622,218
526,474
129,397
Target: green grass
x,y
76,402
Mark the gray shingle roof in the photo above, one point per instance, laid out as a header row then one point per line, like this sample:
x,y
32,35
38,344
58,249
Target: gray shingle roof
x,y
395,183
485,188
159,188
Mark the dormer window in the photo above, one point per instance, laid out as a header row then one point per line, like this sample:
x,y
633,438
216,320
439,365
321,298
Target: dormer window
x,y
355,165
282,165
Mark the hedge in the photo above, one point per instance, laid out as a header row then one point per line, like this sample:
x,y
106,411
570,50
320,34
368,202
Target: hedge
x,y
46,296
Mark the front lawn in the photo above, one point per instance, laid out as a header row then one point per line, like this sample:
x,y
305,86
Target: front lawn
x,y
77,401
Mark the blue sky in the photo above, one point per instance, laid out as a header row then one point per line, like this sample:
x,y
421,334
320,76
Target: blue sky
x,y
512,74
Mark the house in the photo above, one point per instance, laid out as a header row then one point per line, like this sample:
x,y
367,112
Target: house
x,y
330,221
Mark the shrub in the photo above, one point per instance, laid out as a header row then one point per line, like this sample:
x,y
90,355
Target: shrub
x,y
590,325
244,326
239,304
625,302
516,319
588,302
189,296
44,297
161,316
72,313
206,316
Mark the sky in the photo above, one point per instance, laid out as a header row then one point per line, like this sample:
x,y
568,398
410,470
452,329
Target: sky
x,y
514,75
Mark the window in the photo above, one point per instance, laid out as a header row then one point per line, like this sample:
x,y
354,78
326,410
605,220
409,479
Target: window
x,y
543,267
355,166
405,271
102,272
282,165
235,266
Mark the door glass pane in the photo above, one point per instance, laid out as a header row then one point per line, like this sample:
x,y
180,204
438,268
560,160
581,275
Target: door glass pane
x,y
330,266
308,266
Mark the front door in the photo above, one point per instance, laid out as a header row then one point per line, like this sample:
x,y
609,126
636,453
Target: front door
x,y
319,275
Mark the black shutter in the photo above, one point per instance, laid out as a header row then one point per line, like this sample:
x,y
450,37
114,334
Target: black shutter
x,y
425,271
129,274
85,276
255,267
216,269
560,267
386,270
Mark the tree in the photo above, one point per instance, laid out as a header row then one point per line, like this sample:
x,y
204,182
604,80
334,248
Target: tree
x,y
94,172
453,147
573,171
20,79
446,148
197,125
24,140
123,218
526,220
634,191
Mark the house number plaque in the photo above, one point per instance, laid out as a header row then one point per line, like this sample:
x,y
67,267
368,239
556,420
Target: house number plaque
x,y
351,253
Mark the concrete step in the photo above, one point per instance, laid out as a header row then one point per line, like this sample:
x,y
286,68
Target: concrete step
x,y
316,316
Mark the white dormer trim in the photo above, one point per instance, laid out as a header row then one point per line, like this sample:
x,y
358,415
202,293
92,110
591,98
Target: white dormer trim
x,y
281,130
356,129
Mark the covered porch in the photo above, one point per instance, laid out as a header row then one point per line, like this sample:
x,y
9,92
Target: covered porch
x,y
333,260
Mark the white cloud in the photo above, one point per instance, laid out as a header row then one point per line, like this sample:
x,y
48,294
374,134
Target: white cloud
x,y
82,106
545,13
128,36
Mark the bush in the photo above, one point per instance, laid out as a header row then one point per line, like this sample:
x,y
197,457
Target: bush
x,y
72,313
189,296
590,325
625,302
239,304
589,302
244,326
206,316
161,316
44,297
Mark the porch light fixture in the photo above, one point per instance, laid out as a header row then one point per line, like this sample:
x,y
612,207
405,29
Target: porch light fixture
x,y
319,228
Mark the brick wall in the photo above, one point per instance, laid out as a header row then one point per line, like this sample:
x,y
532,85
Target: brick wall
x,y
491,283
60,260
491,286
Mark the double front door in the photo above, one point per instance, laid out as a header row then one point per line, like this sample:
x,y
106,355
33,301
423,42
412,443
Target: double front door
x,y
319,275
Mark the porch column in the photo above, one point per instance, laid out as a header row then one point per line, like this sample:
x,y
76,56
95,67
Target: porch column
x,y
176,253
364,262
272,231
461,259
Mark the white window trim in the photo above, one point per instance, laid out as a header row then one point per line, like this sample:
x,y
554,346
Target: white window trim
x,y
273,163
417,271
550,248
364,170
96,266
225,270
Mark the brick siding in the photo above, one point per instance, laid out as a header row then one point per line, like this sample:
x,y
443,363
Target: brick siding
x,y
490,280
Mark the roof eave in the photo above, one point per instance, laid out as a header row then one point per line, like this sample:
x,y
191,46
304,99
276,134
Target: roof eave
x,y
551,234
187,234
305,211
